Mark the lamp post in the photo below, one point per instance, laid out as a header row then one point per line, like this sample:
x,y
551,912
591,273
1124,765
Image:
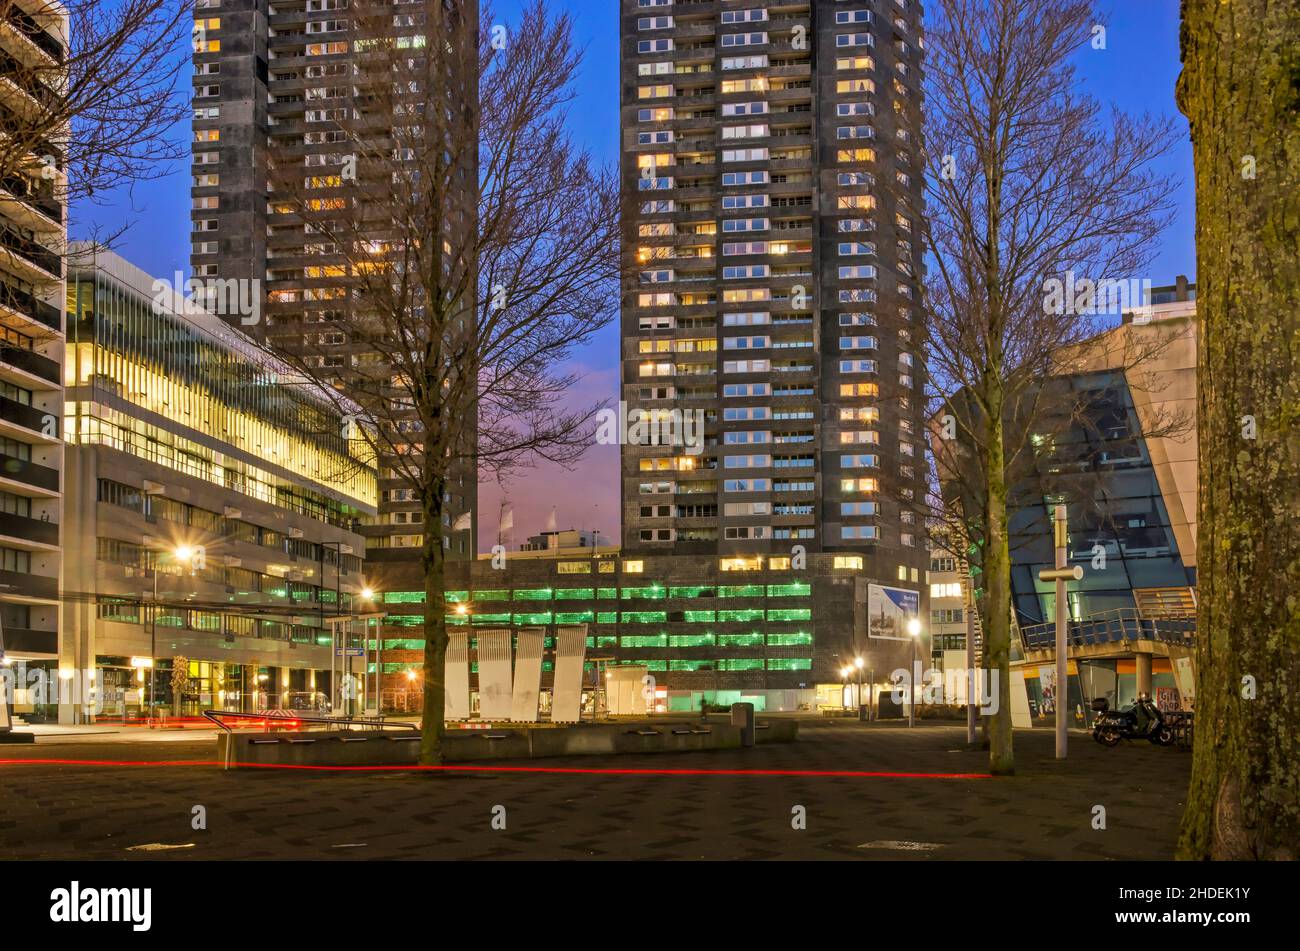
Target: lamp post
x,y
1061,574
181,553
862,707
914,629
368,595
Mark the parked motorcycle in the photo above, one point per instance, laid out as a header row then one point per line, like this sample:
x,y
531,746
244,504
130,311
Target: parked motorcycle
x,y
1142,721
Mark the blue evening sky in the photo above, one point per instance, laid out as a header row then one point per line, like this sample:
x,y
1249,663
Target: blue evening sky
x,y
1136,72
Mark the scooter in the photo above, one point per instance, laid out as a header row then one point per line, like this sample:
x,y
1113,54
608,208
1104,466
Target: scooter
x,y
1142,721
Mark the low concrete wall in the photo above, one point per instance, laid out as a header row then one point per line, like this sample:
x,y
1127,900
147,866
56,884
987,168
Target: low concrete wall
x,y
402,747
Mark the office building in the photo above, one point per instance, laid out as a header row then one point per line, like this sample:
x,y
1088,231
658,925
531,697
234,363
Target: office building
x,y
212,505
33,45
1121,455
778,637
772,179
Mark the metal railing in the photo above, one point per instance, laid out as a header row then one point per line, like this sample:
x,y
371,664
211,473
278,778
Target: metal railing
x,y
1109,627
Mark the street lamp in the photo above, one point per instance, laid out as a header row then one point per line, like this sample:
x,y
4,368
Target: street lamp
x,y
369,594
858,662
914,630
182,554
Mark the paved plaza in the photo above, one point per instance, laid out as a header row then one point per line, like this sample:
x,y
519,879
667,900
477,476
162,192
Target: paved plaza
x,y
1046,811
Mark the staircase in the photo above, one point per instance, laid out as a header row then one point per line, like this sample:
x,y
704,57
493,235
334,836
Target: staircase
x,y
1165,603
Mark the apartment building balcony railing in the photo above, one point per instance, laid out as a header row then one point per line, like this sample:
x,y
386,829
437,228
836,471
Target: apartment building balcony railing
x,y
29,417
29,529
31,362
17,77
48,44
37,46
27,305
28,586
31,641
30,473
34,254
43,201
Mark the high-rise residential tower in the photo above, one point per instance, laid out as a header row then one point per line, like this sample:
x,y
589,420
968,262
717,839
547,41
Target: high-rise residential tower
x,y
276,85
33,45
772,176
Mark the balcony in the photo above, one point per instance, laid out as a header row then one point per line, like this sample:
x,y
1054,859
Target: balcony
x,y
18,585
31,642
31,420
34,262
24,39
29,473
30,205
21,91
29,529
29,361
20,309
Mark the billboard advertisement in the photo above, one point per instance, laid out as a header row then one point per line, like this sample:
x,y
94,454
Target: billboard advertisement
x,y
889,610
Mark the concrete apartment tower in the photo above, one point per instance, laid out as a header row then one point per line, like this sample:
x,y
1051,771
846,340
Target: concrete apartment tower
x,y
772,178
274,82
33,229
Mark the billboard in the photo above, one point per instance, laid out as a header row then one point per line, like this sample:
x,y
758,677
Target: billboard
x,y
888,611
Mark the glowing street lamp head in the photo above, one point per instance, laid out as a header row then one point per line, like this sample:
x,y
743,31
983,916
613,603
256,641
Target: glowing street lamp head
x,y
368,594
914,627
858,662
183,552
461,609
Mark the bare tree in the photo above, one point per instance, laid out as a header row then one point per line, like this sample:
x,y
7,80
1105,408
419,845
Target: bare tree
x,y
93,117
476,245
1027,183
1239,89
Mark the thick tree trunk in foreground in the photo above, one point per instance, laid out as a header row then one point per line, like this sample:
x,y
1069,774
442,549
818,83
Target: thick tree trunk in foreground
x,y
434,560
1240,89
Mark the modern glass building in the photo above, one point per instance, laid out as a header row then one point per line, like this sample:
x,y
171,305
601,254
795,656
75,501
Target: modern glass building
x,y
211,512
778,637
1124,464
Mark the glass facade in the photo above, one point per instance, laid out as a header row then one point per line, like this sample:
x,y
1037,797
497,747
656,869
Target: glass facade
x,y
1120,531
135,356
772,631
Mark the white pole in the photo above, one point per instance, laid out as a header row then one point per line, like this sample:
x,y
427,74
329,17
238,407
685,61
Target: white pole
x,y
911,691
1062,677
972,678
1061,574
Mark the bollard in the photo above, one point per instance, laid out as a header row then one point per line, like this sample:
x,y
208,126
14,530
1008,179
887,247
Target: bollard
x,y
742,715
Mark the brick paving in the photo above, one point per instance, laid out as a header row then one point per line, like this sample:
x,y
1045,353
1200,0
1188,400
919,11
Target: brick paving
x,y
50,811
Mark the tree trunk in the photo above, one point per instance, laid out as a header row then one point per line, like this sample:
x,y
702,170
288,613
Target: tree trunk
x,y
997,590
1240,89
434,561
